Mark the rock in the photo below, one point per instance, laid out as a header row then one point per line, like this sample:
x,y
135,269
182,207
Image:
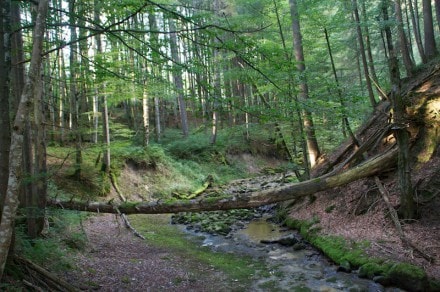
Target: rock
x,y
384,281
288,241
299,246
344,267
285,241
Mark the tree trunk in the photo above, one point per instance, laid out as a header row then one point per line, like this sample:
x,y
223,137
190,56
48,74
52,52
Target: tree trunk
x,y
15,155
5,125
437,12
416,31
145,116
362,53
241,200
178,82
312,142
428,24
407,208
403,43
371,66
105,126
74,105
345,122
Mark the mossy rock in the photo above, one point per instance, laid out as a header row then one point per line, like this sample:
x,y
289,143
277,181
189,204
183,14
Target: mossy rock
x,y
408,277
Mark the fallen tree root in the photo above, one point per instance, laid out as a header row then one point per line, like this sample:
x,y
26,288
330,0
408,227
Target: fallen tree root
x,y
253,199
395,219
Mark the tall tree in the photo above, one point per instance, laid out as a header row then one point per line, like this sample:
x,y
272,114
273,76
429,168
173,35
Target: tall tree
x,y
428,25
101,91
5,133
178,81
407,207
312,142
73,91
362,53
403,42
15,155
416,30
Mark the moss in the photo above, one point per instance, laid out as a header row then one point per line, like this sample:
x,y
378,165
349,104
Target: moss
x,y
330,209
340,250
407,276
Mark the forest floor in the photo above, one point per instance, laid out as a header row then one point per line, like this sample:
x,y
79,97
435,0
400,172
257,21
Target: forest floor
x,y
115,260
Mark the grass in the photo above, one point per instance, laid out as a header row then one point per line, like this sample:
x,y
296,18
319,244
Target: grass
x,y
63,237
158,232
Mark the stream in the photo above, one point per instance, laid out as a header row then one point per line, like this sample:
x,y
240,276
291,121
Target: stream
x,y
293,266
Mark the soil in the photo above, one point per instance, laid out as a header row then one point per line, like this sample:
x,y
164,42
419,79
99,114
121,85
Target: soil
x,y
116,260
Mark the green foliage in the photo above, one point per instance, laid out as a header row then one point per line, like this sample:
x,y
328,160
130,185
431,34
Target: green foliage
x,y
63,236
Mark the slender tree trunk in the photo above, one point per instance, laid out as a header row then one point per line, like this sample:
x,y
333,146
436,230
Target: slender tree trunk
x,y
178,82
345,122
428,24
5,124
15,154
74,105
312,142
407,207
416,30
101,91
403,43
145,116
371,66
437,12
39,181
362,52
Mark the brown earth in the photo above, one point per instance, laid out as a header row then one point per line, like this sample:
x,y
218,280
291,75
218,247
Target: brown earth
x,y
116,260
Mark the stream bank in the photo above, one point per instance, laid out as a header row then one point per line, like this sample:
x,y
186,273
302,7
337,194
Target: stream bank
x,y
292,263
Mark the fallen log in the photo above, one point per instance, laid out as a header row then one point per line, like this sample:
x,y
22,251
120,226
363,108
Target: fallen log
x,y
225,201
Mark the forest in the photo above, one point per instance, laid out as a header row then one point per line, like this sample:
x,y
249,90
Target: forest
x,y
336,97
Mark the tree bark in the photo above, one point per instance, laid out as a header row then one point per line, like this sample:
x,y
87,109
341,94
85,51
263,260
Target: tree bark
x,y
362,53
5,125
312,143
15,155
242,200
74,105
403,43
416,30
428,24
437,12
178,81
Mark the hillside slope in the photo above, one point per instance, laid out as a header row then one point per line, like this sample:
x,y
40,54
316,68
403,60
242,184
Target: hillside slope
x,y
357,211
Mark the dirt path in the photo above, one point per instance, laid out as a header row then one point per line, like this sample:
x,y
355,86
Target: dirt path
x,y
115,260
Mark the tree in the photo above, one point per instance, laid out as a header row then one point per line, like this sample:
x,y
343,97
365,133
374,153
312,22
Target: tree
x,y
362,53
5,133
101,92
312,142
178,81
15,155
428,25
400,124
403,43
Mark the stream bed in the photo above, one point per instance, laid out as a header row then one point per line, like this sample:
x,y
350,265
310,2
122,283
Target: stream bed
x,y
292,266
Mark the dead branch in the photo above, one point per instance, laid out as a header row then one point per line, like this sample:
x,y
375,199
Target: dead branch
x,y
395,219
57,283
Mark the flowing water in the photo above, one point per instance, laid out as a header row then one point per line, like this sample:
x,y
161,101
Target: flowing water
x,y
290,268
